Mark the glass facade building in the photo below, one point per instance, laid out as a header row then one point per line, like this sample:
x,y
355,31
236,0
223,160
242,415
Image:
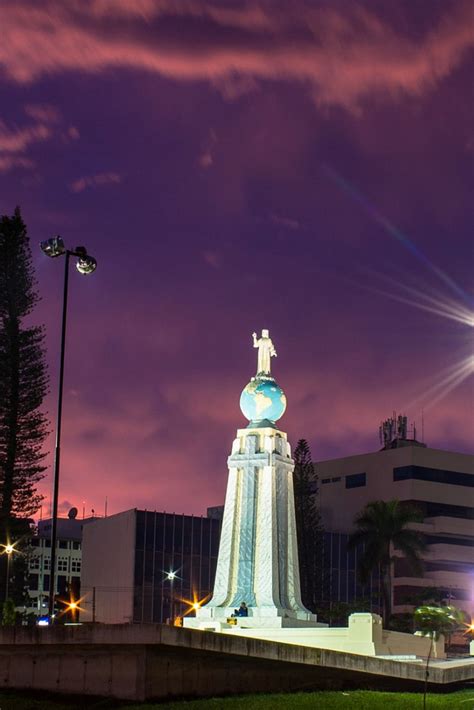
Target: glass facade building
x,y
183,545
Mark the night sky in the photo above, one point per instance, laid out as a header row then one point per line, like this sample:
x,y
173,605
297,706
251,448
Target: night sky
x,y
299,166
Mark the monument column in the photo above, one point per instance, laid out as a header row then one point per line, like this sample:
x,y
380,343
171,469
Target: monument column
x,y
258,554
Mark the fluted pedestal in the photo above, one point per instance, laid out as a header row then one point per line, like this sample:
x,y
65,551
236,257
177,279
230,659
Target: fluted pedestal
x,y
258,554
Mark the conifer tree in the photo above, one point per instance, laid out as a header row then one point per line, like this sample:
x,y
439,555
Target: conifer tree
x,y
23,381
308,526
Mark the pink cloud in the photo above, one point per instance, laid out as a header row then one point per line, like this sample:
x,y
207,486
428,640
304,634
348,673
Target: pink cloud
x,y
17,140
342,57
98,180
8,162
43,112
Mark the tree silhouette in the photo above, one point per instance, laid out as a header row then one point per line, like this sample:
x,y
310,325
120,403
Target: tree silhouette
x,y
23,384
308,525
383,526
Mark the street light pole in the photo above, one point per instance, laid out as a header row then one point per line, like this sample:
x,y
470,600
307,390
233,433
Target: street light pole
x,y
86,264
9,554
8,550
57,451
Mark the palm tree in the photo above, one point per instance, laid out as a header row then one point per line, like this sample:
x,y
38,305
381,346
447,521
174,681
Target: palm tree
x,y
382,526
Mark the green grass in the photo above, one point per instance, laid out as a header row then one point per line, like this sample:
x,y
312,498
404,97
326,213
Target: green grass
x,y
327,700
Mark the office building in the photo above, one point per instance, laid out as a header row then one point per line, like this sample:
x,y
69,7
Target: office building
x,y
143,566
439,483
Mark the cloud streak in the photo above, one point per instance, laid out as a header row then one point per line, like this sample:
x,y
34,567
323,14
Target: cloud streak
x,y
342,56
98,180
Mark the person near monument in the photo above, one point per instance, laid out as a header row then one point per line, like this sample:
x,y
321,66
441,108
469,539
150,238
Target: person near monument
x,y
266,350
242,610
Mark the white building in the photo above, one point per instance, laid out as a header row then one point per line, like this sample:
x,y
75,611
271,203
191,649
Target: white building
x,y
68,561
439,482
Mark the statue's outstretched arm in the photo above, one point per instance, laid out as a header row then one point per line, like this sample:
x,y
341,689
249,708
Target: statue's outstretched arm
x,y
255,341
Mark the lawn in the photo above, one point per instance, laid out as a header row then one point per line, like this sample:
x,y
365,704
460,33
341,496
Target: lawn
x,y
328,700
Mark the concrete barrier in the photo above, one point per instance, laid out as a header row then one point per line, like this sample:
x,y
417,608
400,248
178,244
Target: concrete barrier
x,y
140,662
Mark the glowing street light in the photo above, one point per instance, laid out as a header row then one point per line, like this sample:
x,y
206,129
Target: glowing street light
x,y
195,604
73,606
86,264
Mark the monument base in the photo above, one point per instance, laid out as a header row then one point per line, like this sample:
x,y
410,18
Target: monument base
x,y
363,635
247,622
218,618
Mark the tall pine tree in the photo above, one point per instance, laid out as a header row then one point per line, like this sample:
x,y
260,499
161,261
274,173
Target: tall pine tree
x,y
23,381
308,526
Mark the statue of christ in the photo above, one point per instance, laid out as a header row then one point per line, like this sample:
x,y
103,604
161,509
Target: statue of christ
x,y
265,352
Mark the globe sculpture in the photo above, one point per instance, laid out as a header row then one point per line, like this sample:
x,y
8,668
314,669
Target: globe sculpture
x,y
262,399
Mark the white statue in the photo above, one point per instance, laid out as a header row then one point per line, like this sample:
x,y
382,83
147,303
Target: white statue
x,y
265,352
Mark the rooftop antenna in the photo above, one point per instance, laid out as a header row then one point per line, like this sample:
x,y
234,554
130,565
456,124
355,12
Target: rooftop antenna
x,y
105,507
422,425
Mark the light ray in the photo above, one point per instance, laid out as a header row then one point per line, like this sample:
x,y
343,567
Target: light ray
x,y
444,308
394,231
452,377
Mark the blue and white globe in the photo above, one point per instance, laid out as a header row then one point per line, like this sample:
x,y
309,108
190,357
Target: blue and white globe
x,y
262,399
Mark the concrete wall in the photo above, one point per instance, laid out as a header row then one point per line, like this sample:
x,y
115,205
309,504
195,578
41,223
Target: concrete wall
x,y
363,635
140,662
108,560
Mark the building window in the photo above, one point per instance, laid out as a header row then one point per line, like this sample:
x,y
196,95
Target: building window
x,y
356,480
34,542
35,563
435,475
62,544
33,582
326,480
448,540
336,479
46,563
443,510
62,564
76,545
75,565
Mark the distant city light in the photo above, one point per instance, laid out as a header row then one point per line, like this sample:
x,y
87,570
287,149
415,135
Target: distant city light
x,y
171,576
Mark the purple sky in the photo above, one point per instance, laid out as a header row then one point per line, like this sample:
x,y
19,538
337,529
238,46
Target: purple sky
x,y
304,167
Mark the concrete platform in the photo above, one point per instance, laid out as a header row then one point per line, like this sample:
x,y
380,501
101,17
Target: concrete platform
x,y
141,662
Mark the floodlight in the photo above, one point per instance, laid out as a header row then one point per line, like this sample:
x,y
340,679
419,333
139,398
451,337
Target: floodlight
x,y
53,247
86,264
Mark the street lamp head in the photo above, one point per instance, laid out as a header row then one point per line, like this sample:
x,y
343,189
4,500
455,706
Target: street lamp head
x,y
53,247
171,576
86,263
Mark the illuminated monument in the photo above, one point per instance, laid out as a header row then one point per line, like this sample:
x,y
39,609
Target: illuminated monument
x,y
258,555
